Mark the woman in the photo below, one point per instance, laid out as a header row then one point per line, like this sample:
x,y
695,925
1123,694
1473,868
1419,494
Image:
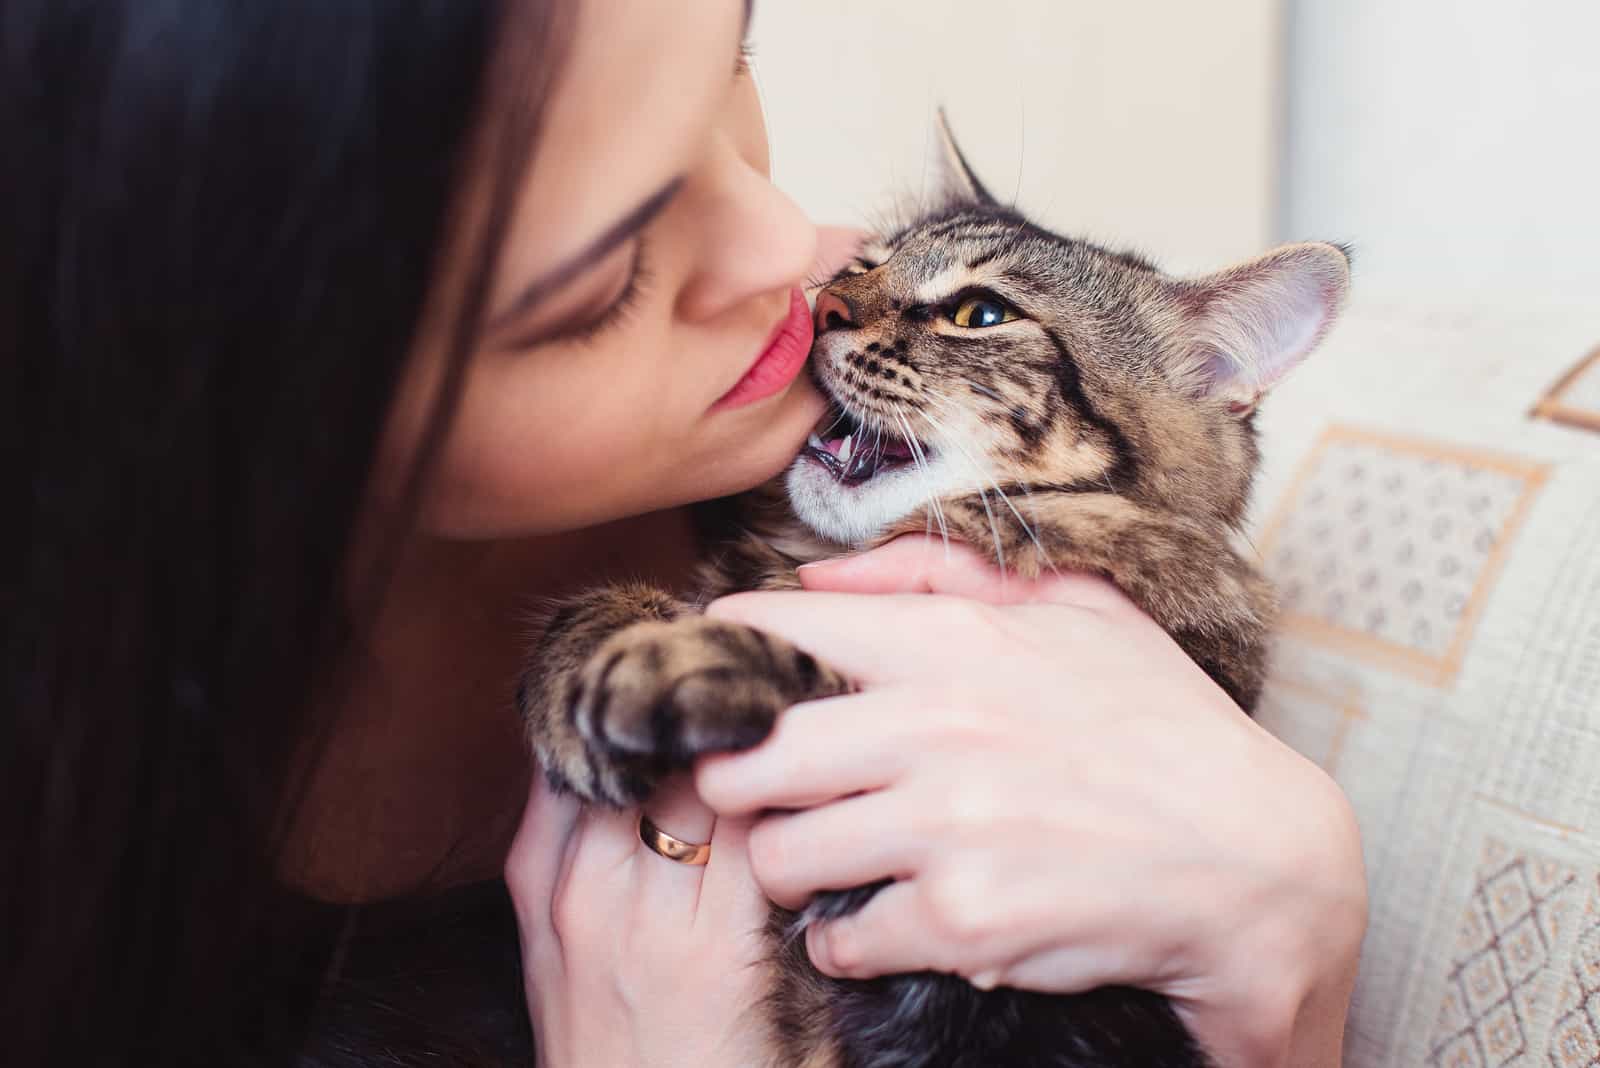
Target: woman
x,y
338,333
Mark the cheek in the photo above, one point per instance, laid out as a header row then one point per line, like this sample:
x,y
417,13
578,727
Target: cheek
x,y
560,454
549,441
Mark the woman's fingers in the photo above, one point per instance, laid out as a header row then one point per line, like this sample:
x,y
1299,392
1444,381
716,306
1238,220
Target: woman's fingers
x,y
923,924
902,634
675,810
890,934
874,640
729,893
863,637
909,564
849,843
819,751
917,563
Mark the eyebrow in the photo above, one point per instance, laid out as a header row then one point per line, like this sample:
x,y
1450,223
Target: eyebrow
x,y
590,254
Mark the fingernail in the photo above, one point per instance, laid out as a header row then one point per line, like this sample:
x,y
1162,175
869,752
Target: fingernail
x,y
986,980
831,564
816,949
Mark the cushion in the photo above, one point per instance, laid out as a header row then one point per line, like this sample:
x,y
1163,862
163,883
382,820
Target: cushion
x,y
1430,508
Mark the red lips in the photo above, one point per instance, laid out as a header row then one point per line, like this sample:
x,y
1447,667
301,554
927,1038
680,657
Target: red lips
x,y
780,361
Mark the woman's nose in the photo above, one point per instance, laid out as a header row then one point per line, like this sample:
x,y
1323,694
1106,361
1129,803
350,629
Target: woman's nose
x,y
833,312
754,239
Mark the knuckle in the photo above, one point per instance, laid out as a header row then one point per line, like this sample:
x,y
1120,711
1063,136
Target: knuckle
x,y
842,942
568,917
519,873
769,855
958,908
971,807
715,786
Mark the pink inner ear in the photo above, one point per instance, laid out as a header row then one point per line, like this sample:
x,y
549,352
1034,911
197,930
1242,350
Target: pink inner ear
x,y
1256,322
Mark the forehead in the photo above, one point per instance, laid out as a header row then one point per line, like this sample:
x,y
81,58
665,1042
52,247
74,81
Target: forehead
x,y
970,246
932,258
632,108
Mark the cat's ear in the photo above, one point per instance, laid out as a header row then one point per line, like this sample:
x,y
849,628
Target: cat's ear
x,y
949,173
1246,327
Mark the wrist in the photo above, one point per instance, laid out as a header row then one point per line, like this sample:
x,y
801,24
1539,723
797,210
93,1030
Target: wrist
x,y
1276,988
1332,954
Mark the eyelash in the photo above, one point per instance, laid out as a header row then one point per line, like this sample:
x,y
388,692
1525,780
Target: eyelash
x,y
620,308
614,315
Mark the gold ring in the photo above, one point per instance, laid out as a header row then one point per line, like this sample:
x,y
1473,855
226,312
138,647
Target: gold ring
x,y
675,849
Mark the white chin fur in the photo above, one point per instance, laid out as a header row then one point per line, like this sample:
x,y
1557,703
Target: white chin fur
x,y
853,515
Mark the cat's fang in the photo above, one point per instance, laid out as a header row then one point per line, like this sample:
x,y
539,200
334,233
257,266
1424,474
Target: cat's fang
x,y
845,448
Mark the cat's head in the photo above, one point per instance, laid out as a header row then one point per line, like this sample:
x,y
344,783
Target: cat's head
x,y
975,350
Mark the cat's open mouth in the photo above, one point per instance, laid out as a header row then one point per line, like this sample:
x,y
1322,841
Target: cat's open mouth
x,y
853,453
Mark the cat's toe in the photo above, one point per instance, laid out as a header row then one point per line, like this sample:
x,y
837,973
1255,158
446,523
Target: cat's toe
x,y
665,695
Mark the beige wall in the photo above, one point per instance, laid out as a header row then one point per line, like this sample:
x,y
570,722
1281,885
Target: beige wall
x,y
1143,123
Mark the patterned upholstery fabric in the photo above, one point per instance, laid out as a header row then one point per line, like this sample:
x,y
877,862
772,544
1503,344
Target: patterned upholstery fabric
x,y
1430,508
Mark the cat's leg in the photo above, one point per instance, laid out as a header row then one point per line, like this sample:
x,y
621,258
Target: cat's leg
x,y
629,684
575,627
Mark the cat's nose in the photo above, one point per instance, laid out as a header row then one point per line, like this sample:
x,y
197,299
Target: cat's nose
x,y
833,312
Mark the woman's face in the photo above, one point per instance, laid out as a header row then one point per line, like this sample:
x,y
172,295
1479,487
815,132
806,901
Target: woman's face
x,y
649,377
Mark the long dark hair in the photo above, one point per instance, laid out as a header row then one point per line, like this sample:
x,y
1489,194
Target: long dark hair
x,y
219,221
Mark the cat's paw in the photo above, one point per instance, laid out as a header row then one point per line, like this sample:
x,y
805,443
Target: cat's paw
x,y
656,695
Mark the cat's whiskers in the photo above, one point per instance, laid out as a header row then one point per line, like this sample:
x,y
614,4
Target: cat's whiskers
x,y
1027,492
986,392
920,461
994,527
836,420
1027,527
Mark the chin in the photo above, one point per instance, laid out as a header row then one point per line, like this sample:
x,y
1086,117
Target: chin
x,y
763,440
855,514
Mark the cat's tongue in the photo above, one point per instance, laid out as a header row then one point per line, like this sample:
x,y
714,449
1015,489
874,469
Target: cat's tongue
x,y
895,449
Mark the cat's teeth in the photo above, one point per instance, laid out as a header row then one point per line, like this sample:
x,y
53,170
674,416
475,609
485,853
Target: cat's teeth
x,y
844,448
815,442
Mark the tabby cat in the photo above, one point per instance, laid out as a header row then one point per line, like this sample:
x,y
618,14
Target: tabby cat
x,y
1054,404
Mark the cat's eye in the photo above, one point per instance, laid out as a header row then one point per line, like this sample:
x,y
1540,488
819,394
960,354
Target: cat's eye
x,y
976,312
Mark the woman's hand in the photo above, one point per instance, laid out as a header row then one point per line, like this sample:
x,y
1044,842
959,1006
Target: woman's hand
x,y
1063,798
629,959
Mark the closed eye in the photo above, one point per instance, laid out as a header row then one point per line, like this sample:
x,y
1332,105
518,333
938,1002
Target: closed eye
x,y
851,269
